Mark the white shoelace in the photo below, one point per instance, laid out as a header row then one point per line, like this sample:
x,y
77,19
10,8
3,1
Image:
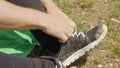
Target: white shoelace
x,y
78,34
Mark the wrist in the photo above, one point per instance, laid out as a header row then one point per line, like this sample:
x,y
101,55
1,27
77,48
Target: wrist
x,y
39,21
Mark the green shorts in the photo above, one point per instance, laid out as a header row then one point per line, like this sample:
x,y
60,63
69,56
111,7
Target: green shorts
x,y
19,43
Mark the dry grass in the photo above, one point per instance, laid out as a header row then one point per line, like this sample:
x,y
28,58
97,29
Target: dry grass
x,y
89,13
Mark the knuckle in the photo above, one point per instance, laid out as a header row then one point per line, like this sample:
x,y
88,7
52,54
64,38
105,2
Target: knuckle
x,y
63,37
69,35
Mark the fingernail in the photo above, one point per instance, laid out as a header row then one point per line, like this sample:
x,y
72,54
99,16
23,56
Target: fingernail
x,y
73,25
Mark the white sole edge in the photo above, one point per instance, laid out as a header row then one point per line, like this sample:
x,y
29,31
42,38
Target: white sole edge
x,y
82,51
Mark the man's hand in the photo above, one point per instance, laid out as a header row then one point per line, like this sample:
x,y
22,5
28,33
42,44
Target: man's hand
x,y
59,25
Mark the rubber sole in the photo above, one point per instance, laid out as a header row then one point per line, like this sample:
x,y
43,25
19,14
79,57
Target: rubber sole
x,y
83,51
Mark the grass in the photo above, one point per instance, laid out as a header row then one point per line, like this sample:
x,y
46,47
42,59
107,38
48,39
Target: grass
x,y
97,61
116,9
116,51
114,28
86,4
89,13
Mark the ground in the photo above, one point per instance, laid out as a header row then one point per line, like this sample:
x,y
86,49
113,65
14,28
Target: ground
x,y
89,13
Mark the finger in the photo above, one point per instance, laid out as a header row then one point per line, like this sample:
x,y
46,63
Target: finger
x,y
70,23
71,29
68,33
63,38
73,23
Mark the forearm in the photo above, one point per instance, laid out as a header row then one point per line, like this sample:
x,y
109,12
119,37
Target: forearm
x,y
16,17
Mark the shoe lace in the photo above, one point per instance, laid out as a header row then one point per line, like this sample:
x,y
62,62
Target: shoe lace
x,y
78,34
79,40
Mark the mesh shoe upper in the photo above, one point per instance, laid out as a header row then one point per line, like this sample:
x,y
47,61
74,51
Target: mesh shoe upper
x,y
72,45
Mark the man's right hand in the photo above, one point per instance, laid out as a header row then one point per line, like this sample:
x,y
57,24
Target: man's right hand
x,y
58,27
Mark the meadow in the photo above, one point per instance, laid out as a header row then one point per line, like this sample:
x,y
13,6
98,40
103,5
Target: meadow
x,y
89,13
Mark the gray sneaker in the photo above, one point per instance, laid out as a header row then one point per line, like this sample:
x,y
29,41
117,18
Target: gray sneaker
x,y
80,43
